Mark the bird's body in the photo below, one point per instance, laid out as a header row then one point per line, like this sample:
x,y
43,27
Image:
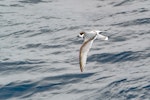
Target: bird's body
x,y
89,37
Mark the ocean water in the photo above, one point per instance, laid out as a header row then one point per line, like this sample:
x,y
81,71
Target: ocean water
x,y
39,50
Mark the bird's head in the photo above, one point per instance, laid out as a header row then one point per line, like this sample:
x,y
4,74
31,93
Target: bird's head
x,y
81,34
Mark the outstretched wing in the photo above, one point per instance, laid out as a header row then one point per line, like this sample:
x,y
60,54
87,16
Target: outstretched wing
x,y
100,36
84,51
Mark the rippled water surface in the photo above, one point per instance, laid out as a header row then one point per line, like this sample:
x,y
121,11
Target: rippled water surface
x,y
39,50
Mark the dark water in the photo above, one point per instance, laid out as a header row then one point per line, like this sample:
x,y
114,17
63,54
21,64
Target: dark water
x,y
39,50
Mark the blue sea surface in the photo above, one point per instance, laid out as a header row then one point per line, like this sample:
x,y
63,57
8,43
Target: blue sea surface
x,y
39,50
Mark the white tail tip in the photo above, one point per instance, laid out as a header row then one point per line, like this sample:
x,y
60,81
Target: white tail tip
x,y
106,38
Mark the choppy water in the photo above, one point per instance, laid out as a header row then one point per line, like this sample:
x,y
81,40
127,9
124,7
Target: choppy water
x,y
39,50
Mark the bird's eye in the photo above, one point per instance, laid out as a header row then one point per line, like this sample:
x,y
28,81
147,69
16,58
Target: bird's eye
x,y
81,33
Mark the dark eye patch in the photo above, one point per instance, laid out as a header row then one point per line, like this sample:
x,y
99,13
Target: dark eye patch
x,y
82,33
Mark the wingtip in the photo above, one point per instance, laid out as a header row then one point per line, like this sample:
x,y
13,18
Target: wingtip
x,y
81,68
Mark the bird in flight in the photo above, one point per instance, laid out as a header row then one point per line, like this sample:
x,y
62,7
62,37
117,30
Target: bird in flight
x,y
88,37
